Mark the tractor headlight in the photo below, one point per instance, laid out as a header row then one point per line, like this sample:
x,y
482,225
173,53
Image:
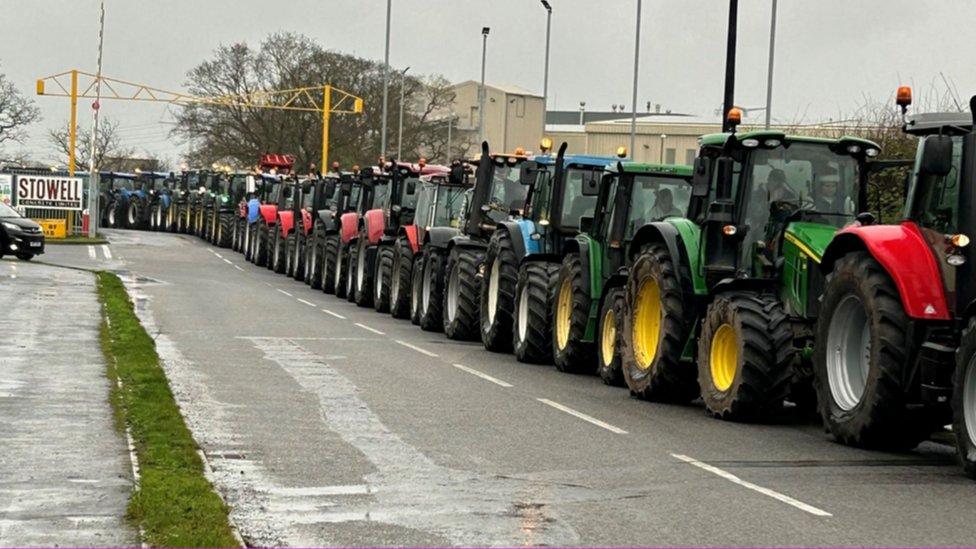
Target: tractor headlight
x,y
772,143
955,259
853,149
750,143
871,152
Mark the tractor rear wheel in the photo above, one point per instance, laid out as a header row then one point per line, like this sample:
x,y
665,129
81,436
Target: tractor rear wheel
x,y
744,356
341,270
350,268
298,256
461,292
400,283
112,215
417,288
279,253
430,292
532,336
860,358
964,399
331,268
571,315
498,293
289,254
260,255
134,215
381,278
225,230
364,288
248,245
610,333
153,221
657,324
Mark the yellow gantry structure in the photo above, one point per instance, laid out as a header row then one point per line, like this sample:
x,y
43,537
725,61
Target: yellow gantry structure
x,y
75,84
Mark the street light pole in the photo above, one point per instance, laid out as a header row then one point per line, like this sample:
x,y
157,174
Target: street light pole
x,y
769,72
481,91
403,77
545,80
633,114
663,138
729,100
93,208
386,77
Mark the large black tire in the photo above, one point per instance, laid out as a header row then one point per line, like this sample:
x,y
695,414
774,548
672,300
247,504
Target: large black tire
x,y
113,215
651,362
462,289
964,399
331,272
260,255
364,279
351,270
498,293
248,245
532,334
171,217
300,257
416,290
609,332
430,291
133,218
225,230
571,314
382,278
342,271
240,228
859,295
154,217
401,288
279,252
744,357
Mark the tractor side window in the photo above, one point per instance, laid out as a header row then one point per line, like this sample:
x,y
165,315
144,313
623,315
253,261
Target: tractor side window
x,y
425,199
935,204
608,212
409,201
354,194
541,194
575,204
507,193
381,193
655,198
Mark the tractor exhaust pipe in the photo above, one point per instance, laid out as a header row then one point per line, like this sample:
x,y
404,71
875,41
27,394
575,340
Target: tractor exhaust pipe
x,y
972,109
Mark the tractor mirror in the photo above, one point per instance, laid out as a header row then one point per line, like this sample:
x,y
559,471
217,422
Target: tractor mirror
x,y
591,183
723,187
330,188
936,156
586,223
699,181
306,187
528,173
286,192
412,186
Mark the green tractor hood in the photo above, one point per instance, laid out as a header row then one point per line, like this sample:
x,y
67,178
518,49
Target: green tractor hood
x,y
811,238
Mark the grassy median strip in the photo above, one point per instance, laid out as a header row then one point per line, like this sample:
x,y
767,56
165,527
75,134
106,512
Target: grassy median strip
x,y
175,505
77,239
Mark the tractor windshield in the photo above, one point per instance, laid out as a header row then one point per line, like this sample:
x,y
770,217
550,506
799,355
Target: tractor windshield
x,y
381,192
354,192
448,208
425,201
507,193
409,201
123,183
934,200
575,203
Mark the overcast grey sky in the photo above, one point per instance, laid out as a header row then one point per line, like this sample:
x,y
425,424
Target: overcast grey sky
x,y
830,53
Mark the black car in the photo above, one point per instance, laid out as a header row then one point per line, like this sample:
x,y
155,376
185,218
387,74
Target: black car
x,y
19,236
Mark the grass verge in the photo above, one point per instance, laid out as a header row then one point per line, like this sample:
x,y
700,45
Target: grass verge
x,y
75,240
174,505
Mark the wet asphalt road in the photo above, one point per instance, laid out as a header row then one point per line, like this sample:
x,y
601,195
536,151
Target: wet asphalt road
x,y
328,424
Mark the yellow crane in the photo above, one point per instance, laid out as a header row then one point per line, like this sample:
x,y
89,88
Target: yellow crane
x,y
75,84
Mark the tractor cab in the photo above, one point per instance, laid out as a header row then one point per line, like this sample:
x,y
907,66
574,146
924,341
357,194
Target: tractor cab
x,y
440,202
401,205
498,192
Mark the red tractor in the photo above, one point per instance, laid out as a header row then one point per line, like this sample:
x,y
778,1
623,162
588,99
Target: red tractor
x,y
322,267
276,168
342,258
895,358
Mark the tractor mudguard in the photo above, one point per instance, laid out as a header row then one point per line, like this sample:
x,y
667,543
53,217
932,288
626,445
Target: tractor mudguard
x,y
410,231
440,237
374,223
906,256
253,210
286,220
349,223
520,231
681,236
328,220
464,241
306,222
269,212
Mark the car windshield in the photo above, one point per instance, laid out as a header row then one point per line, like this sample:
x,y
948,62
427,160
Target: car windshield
x,y
656,197
448,209
7,211
507,193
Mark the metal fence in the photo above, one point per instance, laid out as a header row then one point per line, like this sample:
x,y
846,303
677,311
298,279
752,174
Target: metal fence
x,y
74,220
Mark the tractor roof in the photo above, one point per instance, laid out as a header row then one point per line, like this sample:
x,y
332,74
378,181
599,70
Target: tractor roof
x,y
952,123
578,159
719,139
675,170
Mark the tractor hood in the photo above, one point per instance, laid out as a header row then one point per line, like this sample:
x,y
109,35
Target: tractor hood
x,y
812,238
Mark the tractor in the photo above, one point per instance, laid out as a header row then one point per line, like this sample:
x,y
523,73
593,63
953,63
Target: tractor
x,y
316,194
375,186
735,284
160,199
589,289
137,212
115,202
180,208
322,270
440,199
289,201
262,219
895,358
398,212
212,184
230,189
453,259
524,253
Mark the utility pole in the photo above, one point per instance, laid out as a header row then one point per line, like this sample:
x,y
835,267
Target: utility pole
x,y
769,71
93,212
729,100
633,114
545,79
386,77
403,76
481,91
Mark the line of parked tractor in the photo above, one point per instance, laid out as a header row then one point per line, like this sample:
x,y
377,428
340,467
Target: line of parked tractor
x,y
757,280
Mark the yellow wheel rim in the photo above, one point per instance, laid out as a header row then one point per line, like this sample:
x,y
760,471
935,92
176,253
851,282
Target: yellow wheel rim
x,y
609,337
724,357
647,323
564,312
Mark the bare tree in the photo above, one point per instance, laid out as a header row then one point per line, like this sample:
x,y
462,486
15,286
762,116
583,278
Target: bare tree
x,y
16,112
108,152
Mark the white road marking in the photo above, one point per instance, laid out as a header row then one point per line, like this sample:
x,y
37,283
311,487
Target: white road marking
x,y
746,484
415,348
227,261
284,292
472,371
106,251
238,268
91,252
262,338
582,416
218,255
367,328
318,491
309,303
337,315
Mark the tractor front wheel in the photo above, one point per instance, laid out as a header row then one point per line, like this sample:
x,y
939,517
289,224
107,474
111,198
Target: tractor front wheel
x,y
572,313
381,278
260,254
331,263
341,270
279,257
498,293
532,337
860,358
364,288
463,286
400,282
430,290
225,230
416,290
964,399
609,334
744,356
351,270
298,258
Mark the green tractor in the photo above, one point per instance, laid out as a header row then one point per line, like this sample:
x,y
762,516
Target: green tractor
x,y
736,284
590,288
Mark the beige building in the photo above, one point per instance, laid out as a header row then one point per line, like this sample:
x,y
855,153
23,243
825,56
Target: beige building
x,y
513,115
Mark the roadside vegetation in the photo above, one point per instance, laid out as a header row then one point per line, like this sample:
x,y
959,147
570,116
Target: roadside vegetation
x,y
174,504
77,239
